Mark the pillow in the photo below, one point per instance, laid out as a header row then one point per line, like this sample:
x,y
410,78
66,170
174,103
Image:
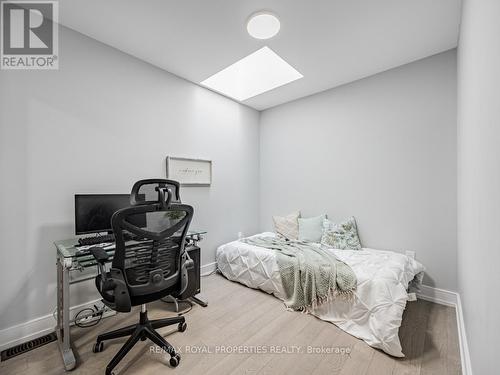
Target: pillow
x,y
342,236
287,226
311,229
328,225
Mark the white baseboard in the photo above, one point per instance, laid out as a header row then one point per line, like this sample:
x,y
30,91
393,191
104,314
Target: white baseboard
x,y
208,268
23,332
462,336
44,325
441,296
35,328
448,298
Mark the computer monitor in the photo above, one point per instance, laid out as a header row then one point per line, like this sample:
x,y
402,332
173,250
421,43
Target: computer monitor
x,y
93,212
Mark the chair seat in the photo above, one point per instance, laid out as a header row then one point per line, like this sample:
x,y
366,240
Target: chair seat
x,y
108,297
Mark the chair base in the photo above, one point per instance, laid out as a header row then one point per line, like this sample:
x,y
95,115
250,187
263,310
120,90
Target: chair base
x,y
145,329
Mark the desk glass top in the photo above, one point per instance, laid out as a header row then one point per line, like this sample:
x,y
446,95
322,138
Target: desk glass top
x,y
67,248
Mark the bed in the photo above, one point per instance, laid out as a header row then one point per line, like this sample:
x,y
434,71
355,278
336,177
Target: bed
x,y
374,315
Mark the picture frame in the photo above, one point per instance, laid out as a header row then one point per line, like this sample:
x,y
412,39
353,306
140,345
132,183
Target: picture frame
x,y
189,171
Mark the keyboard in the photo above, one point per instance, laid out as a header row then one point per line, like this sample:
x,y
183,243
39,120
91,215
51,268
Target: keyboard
x,y
84,249
107,242
96,240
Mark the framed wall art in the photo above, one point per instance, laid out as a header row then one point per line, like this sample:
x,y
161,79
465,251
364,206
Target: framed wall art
x,y
189,172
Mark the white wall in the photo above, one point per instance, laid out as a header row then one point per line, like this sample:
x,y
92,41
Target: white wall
x,y
101,122
382,149
479,179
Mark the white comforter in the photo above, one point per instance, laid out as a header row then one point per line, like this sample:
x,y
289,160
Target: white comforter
x,y
375,313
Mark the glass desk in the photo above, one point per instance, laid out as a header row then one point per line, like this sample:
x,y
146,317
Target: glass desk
x,y
68,250
70,259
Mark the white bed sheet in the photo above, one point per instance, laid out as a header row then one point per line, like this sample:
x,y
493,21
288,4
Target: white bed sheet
x,y
374,315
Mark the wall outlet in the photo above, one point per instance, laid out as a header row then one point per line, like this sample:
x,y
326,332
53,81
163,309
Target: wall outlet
x,y
411,254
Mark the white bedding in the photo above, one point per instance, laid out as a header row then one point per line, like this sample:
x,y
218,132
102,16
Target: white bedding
x,y
374,315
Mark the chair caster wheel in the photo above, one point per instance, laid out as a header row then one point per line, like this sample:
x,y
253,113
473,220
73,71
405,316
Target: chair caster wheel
x,y
182,327
174,361
98,347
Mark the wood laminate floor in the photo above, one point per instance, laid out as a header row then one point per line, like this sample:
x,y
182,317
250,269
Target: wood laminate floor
x,y
244,321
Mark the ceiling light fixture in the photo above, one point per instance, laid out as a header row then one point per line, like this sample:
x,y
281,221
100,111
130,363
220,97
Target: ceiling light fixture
x,y
263,25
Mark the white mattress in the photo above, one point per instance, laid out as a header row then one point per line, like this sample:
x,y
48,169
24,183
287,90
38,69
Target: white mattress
x,y
374,315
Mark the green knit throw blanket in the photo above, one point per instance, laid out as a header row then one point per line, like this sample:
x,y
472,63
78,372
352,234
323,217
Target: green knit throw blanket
x,y
310,274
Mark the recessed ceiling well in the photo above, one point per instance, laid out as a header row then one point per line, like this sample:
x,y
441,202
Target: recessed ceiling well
x,y
254,74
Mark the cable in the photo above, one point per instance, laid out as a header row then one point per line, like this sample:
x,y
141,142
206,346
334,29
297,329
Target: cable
x,y
180,313
92,313
99,313
211,272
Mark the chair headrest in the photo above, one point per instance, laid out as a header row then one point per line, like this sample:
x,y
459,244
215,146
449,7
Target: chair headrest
x,y
167,191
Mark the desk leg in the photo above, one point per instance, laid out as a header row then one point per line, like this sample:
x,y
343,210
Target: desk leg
x,y
63,333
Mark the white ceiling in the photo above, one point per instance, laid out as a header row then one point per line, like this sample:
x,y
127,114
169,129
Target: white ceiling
x,y
331,42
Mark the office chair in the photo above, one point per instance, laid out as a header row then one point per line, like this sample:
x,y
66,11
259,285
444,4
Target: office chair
x,y
146,269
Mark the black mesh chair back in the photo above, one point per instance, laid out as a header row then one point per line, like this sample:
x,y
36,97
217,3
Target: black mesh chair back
x,y
151,262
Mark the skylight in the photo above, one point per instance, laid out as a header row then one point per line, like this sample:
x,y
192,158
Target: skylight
x,y
255,74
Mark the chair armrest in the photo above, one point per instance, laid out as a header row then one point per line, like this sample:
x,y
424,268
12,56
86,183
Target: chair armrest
x,y
114,291
122,300
99,254
188,262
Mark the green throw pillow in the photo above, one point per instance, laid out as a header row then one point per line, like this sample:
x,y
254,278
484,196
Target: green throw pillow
x,y
342,236
311,228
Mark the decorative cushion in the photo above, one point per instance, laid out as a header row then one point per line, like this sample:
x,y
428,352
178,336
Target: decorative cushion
x,y
328,225
311,228
342,236
287,226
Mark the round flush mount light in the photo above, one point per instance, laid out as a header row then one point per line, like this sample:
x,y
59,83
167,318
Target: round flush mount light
x,y
263,25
